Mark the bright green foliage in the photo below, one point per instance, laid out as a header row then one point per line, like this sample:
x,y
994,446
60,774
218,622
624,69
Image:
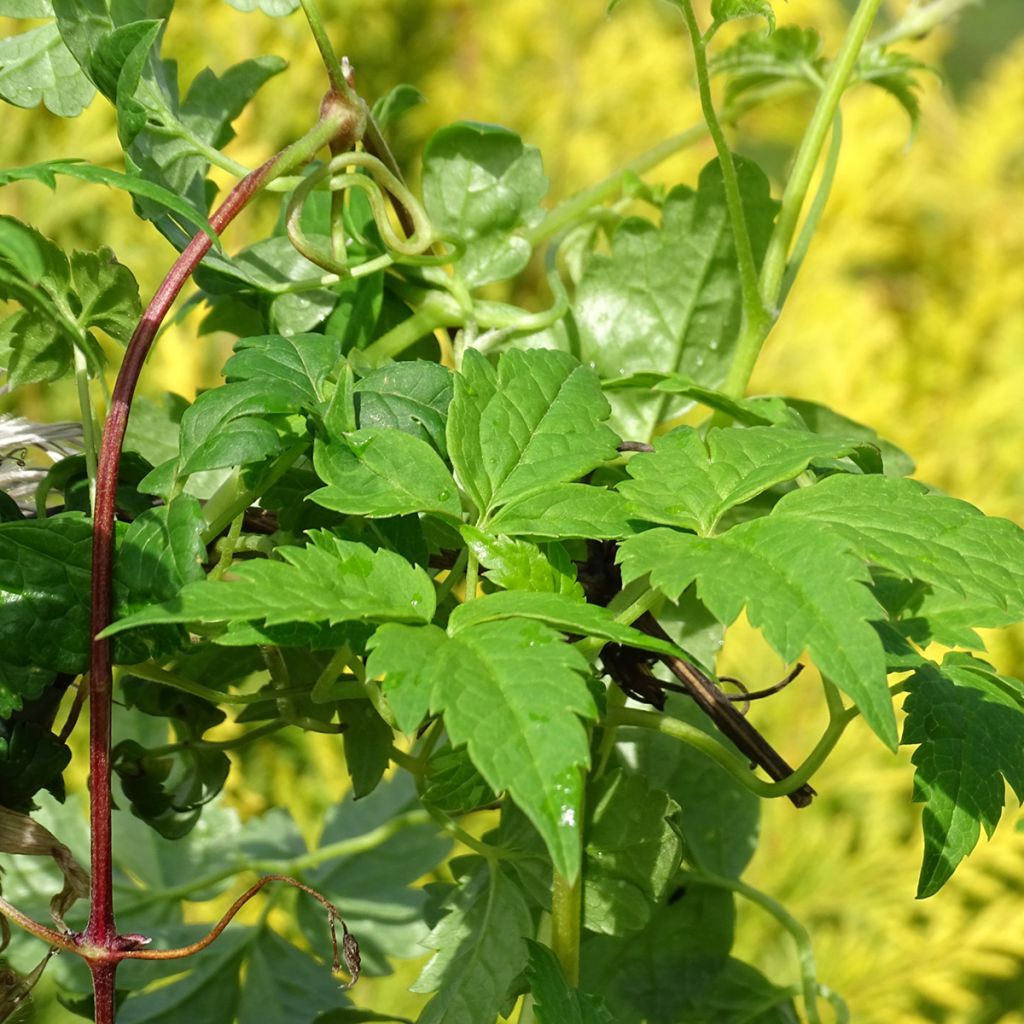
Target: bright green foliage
x,y
330,581
512,691
520,565
900,525
689,481
480,945
481,184
801,586
400,522
384,473
535,422
668,296
966,720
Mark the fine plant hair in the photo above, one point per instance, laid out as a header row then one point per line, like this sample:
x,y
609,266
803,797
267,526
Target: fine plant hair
x,y
489,551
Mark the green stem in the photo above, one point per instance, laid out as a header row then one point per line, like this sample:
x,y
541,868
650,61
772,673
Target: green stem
x,y
456,573
267,729
228,547
154,674
723,757
810,150
88,421
801,938
566,924
472,576
818,204
323,43
754,313
432,314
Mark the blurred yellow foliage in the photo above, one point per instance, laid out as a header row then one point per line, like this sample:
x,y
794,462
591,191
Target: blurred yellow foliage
x,y
909,315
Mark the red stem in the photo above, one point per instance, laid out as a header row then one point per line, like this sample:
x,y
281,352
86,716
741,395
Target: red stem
x,y
101,930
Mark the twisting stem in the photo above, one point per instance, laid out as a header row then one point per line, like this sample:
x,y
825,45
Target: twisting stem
x,y
101,930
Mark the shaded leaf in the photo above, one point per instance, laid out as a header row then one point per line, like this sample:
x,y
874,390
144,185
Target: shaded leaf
x,y
727,10
481,948
668,297
632,853
554,1001
412,396
757,60
967,721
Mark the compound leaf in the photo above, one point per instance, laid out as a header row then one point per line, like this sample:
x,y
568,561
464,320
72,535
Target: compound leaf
x,y
330,580
535,422
412,396
800,583
481,948
668,296
480,185
513,691
966,720
898,524
297,365
519,565
689,481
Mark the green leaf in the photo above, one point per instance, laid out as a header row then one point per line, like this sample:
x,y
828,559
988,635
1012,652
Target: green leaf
x,y
47,171
480,945
749,411
727,10
453,785
37,67
967,720
896,74
562,611
62,305
298,365
512,692
412,396
820,419
566,510
381,473
480,185
375,888
20,247
390,107
898,524
330,580
689,481
718,817
19,683
519,565
758,61
554,1002
669,297
283,984
801,585
273,8
367,740
535,422
45,578
631,855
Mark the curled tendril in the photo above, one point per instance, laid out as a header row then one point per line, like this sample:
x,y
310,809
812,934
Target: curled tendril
x,y
415,249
